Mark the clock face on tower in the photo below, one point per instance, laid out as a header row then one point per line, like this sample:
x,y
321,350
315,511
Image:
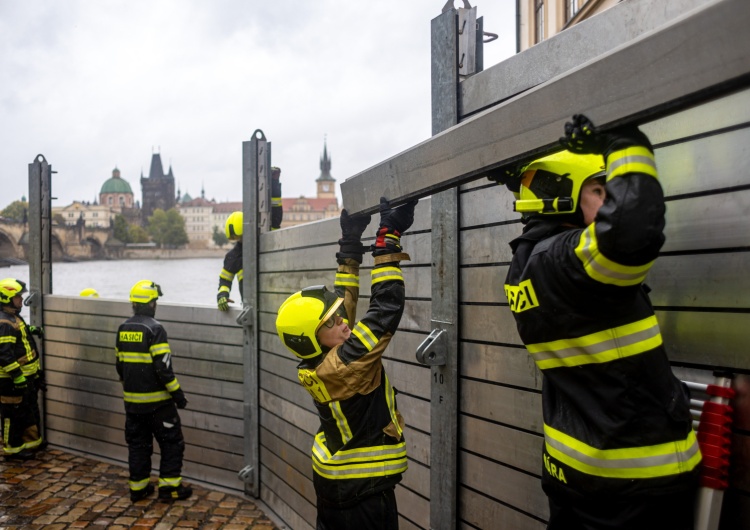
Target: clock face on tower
x,y
326,187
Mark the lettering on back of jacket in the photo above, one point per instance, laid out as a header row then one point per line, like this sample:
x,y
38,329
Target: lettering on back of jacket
x,y
521,297
131,336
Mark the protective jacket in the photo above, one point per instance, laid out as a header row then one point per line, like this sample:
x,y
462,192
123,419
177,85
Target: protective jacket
x,y
19,408
232,268
18,352
277,208
616,420
144,364
360,448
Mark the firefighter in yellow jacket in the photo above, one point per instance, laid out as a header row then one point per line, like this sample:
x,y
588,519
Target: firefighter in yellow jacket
x,y
619,449
152,396
20,376
359,452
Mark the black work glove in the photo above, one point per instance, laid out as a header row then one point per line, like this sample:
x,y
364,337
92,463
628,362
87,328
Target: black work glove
x,y
509,175
37,330
393,223
41,381
180,400
582,137
350,244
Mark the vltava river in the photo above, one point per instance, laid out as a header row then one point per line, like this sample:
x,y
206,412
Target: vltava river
x,y
183,281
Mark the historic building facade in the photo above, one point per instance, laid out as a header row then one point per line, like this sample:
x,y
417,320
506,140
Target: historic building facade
x,y
539,20
157,190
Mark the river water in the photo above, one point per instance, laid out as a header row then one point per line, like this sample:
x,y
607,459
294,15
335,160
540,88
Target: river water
x,y
183,281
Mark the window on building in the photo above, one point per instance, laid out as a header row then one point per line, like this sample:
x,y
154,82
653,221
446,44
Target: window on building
x,y
571,8
122,201
538,21
109,200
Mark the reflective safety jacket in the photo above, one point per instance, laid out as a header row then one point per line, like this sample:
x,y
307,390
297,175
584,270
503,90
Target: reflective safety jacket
x,y
360,448
232,268
616,419
18,352
144,364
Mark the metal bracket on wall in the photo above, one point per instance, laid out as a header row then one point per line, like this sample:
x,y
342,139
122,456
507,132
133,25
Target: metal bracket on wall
x,y
245,317
33,299
434,350
246,474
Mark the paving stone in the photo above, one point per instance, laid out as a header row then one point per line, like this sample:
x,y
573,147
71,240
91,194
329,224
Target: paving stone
x,y
64,492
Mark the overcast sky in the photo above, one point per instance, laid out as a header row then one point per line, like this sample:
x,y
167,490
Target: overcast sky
x,y
98,84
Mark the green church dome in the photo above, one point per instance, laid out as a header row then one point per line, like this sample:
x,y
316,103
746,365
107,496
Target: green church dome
x,y
116,184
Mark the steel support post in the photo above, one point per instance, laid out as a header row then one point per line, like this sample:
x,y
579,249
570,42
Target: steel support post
x,y
39,250
446,66
255,219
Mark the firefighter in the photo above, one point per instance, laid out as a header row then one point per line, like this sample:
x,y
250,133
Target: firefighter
x,y
619,448
359,452
233,229
152,396
20,376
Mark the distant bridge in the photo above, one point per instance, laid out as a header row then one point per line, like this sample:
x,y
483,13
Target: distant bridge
x,y
68,242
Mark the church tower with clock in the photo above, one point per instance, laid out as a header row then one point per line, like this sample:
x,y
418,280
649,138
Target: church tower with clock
x,y
326,183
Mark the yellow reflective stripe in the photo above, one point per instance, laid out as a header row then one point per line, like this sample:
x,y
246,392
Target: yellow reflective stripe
x,y
604,270
224,289
226,275
346,280
649,461
240,274
8,339
137,485
146,397
134,357
341,423
159,349
384,274
171,482
364,462
365,335
631,160
12,367
30,368
600,347
276,201
173,385
390,398
145,297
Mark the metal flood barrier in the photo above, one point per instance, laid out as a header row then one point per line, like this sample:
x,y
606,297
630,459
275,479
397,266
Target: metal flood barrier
x,y
472,400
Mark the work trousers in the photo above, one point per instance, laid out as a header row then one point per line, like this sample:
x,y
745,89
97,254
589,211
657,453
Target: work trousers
x,y
140,431
656,512
20,427
376,512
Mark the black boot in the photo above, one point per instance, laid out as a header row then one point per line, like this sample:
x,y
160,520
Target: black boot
x,y
137,495
22,455
170,493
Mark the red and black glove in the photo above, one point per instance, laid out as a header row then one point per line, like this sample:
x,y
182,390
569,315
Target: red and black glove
x,y
393,223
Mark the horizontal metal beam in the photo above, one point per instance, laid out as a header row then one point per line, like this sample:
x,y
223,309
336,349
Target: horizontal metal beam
x,y
690,60
568,49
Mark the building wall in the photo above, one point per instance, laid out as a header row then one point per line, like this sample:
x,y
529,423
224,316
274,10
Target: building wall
x,y
555,17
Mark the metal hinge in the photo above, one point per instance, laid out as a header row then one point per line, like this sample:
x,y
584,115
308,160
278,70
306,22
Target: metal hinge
x,y
246,474
433,351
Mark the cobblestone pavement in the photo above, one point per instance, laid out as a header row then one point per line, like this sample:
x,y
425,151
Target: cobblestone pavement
x,y
59,491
